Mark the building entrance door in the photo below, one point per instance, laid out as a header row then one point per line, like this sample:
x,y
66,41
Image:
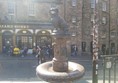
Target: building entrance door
x,y
7,40
24,41
103,49
44,40
24,38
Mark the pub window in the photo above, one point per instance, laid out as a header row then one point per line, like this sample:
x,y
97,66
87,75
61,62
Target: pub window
x,y
74,2
11,8
31,9
83,46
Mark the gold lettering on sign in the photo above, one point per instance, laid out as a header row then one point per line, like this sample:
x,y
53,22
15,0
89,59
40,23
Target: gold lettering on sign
x,y
15,26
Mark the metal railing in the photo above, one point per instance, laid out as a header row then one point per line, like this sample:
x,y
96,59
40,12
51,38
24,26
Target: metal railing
x,y
109,64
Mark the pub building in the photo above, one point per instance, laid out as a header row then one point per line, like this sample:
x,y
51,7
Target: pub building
x,y
25,35
25,23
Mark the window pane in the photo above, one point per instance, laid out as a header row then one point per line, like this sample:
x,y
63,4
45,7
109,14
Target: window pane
x,y
31,10
11,7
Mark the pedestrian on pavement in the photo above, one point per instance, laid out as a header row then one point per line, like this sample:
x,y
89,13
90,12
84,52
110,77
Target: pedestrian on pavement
x,y
38,53
74,50
10,51
4,49
25,49
41,56
49,51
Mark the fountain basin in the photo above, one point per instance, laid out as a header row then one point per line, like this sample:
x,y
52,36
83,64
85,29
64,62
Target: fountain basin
x,y
45,71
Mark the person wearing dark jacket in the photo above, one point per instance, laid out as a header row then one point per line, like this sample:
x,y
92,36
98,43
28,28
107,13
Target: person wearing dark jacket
x,y
41,56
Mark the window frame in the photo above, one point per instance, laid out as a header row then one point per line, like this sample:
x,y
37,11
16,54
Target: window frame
x,y
11,8
31,9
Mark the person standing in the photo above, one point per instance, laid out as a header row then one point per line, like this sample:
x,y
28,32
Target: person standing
x,y
10,51
40,55
24,53
74,50
49,51
34,50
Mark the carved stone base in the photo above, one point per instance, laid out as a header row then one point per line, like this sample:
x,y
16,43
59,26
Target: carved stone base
x,y
45,71
60,65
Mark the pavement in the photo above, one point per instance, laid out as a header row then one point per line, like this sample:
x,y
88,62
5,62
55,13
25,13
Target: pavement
x,y
17,69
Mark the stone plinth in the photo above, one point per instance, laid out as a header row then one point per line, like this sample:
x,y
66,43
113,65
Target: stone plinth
x,y
60,60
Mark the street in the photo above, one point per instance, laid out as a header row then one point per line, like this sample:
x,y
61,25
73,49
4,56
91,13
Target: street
x,y
16,68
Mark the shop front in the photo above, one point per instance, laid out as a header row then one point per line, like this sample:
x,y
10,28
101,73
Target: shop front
x,y
7,40
21,35
43,38
24,39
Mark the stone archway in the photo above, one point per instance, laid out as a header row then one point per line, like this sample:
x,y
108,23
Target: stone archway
x,y
7,40
24,38
43,38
